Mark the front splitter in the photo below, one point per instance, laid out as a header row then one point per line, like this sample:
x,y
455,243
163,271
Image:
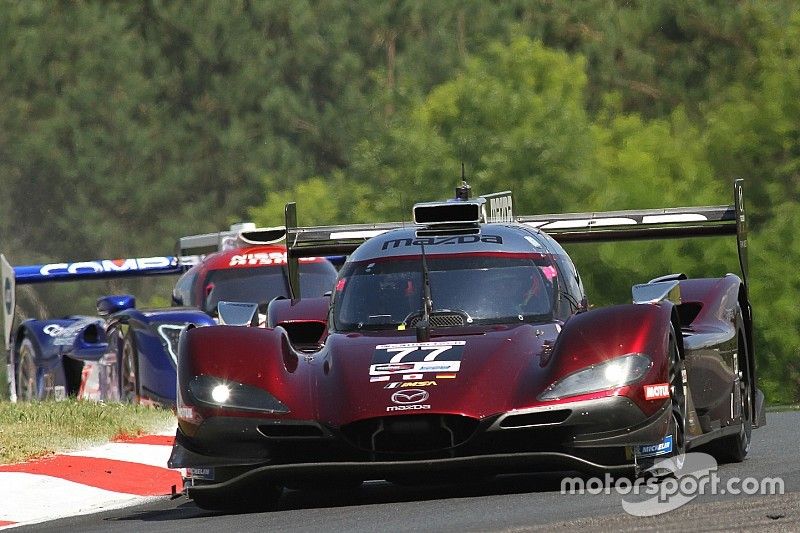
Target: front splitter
x,y
506,463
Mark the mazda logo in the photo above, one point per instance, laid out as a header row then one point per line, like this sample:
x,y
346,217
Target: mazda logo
x,y
405,397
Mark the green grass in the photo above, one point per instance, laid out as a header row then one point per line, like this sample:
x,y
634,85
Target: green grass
x,y
3,379
36,429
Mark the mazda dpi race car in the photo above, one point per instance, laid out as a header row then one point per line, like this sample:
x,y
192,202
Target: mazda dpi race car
x,y
463,345
129,354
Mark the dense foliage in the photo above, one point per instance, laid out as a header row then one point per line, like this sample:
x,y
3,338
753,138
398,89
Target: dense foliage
x,y
124,125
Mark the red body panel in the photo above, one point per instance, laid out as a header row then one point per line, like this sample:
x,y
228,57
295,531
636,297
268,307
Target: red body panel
x,y
502,368
711,342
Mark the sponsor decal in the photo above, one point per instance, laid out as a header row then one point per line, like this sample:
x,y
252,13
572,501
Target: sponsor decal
x,y
201,473
417,358
619,221
500,209
659,391
373,379
406,397
264,258
415,407
651,450
54,330
258,259
418,351
186,413
377,370
438,241
402,368
405,384
108,265
67,335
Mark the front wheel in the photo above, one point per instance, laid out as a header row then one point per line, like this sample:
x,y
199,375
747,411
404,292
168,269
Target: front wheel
x,y
677,396
677,422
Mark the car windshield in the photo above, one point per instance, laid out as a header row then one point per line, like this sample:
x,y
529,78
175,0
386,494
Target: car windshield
x,y
262,284
490,289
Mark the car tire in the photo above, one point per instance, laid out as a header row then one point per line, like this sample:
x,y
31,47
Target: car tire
x,y
677,396
734,448
678,406
129,387
27,374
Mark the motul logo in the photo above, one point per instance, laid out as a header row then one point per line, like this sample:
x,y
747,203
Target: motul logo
x,y
656,392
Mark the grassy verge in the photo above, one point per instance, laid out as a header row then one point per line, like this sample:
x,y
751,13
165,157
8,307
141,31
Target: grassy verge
x,y
3,379
36,429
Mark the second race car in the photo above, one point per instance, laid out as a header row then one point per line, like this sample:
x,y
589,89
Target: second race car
x,y
129,354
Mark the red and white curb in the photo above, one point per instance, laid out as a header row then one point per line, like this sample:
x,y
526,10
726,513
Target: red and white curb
x,y
118,474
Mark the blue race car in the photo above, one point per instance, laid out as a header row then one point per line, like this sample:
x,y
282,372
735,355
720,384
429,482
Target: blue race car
x,y
37,366
129,354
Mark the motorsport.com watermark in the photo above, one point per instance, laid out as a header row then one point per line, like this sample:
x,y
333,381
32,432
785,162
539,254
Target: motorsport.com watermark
x,y
690,475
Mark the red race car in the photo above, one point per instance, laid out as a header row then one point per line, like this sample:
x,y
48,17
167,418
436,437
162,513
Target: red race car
x,y
463,345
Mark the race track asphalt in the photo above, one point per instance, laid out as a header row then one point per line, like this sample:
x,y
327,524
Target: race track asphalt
x,y
511,503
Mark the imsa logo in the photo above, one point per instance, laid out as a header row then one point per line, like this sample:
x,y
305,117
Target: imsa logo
x,y
404,384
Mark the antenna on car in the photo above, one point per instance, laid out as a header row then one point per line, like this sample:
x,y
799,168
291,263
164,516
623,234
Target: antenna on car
x,y
423,327
464,191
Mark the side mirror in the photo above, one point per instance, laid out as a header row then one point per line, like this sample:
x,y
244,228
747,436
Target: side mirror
x,y
108,305
657,291
90,343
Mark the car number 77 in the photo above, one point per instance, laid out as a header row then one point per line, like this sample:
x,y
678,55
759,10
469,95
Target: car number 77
x,y
400,353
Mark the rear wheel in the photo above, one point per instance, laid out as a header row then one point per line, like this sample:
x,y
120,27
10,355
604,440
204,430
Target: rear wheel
x,y
26,377
734,448
129,391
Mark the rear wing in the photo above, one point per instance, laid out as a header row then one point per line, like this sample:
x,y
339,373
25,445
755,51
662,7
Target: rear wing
x,y
76,271
571,227
244,234
669,223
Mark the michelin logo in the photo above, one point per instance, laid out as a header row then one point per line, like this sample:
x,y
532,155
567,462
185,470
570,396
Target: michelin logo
x,y
651,450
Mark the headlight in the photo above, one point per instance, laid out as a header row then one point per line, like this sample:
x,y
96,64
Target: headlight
x,y
170,334
223,393
607,375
